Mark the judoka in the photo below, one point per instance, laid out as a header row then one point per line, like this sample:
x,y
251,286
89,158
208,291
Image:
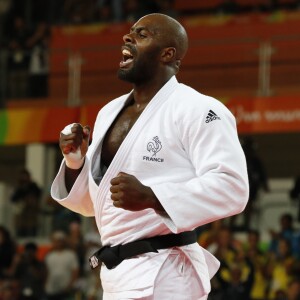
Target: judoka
x,y
164,160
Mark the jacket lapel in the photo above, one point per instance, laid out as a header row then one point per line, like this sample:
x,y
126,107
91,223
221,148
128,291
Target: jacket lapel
x,y
118,161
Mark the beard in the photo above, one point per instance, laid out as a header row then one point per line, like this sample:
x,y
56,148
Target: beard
x,y
136,74
142,70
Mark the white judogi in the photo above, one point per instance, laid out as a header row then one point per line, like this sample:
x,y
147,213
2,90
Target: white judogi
x,y
185,147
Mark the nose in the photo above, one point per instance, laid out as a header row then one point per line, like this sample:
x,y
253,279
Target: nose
x,y
127,38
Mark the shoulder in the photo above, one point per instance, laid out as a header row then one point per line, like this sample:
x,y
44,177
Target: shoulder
x,y
113,104
190,103
69,253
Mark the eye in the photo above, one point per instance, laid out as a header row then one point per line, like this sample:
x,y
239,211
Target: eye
x,y
142,36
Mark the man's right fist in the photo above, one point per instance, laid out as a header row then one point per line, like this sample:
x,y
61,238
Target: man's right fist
x,y
74,143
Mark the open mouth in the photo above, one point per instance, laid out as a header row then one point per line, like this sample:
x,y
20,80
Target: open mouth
x,y
127,58
127,55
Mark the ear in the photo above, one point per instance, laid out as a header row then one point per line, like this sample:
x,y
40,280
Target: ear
x,y
177,65
168,54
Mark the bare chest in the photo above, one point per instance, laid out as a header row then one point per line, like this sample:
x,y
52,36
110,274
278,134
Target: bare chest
x,y
117,133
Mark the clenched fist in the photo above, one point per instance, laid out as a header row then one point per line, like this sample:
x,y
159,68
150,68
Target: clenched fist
x,y
129,193
74,143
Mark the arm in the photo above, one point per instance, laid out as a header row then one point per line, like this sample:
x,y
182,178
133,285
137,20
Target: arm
x,y
219,187
74,142
129,193
70,177
74,168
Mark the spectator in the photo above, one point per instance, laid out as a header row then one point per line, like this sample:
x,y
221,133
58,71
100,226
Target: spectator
x,y
7,251
62,269
293,290
5,15
110,10
280,295
9,289
55,12
75,242
61,217
28,44
104,12
39,61
235,288
37,43
117,10
18,59
258,260
26,199
224,248
281,268
208,236
295,195
30,272
92,241
287,232
253,247
79,11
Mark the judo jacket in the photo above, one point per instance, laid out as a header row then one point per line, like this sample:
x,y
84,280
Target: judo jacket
x,y
185,147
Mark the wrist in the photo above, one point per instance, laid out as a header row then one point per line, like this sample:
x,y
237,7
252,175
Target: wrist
x,y
74,164
155,203
158,207
74,160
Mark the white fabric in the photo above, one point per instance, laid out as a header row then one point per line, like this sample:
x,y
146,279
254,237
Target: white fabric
x,y
74,160
60,267
176,280
197,170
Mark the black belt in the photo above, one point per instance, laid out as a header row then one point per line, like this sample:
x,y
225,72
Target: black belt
x,y
112,256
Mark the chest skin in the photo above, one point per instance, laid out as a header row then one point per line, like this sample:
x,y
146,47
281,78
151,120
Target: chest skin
x,y
117,133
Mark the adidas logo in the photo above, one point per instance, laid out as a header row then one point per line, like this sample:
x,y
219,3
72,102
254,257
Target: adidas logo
x,y
211,117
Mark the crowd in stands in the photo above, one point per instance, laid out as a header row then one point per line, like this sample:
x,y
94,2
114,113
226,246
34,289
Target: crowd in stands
x,y
251,268
62,274
25,201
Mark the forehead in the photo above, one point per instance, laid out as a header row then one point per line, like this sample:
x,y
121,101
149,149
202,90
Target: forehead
x,y
149,23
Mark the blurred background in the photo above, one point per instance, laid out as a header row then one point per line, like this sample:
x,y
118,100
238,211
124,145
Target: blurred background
x,y
58,64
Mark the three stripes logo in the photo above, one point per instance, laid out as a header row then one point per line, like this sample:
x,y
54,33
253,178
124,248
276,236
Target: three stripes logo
x,y
211,116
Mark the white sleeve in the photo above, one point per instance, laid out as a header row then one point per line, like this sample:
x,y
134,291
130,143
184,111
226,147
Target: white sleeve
x,y
78,200
219,187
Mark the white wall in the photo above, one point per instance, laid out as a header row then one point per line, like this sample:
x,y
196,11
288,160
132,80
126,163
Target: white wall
x,y
270,206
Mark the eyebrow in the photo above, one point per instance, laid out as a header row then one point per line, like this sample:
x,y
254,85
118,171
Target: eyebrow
x,y
139,29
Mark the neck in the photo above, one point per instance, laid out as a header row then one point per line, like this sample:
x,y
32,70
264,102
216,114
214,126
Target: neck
x,y
143,93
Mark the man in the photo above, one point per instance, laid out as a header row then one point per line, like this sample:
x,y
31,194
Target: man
x,y
164,160
30,272
62,268
26,200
